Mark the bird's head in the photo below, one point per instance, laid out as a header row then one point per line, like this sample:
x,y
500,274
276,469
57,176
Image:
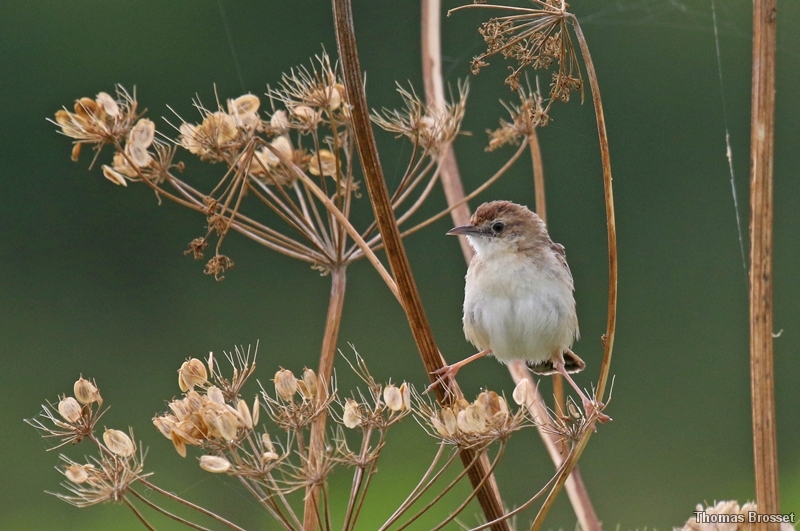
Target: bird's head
x,y
503,226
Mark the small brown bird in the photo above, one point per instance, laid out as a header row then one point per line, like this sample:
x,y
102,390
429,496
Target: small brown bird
x,y
518,297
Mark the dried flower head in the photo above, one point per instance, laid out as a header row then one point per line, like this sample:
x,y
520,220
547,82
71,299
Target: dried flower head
x,y
537,38
312,95
72,419
471,424
525,118
432,129
104,479
101,121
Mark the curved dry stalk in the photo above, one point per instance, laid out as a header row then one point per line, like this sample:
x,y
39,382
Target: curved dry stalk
x,y
166,513
488,496
608,337
178,499
138,515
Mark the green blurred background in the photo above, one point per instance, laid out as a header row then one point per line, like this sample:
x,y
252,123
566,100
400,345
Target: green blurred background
x,y
94,280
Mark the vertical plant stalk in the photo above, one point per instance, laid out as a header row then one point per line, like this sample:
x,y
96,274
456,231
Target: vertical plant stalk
x,y
328,352
762,136
488,495
611,226
541,210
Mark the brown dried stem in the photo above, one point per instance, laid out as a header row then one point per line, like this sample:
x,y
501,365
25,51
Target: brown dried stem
x,y
328,352
762,136
488,496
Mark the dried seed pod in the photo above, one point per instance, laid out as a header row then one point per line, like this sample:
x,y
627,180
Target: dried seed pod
x,y
352,414
108,104
70,409
285,384
119,443
113,175
523,393
215,464
86,392
393,398
192,373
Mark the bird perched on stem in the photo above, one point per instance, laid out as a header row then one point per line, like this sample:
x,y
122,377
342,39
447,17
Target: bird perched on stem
x,y
518,297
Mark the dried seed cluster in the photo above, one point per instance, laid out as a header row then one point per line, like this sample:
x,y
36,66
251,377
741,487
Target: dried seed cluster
x,y
538,38
473,424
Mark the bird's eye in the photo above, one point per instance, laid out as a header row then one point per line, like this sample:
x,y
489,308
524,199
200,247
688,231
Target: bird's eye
x,y
498,227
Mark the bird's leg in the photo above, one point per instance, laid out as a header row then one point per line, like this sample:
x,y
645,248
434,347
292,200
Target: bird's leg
x,y
449,371
589,406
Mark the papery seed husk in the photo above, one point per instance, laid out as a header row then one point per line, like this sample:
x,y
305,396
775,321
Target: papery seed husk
x,y
463,422
285,384
114,176
279,120
70,409
352,416
76,473
142,134
393,398
244,414
85,391
214,394
267,442
119,443
108,104
256,410
475,418
438,425
246,104
405,393
214,464
310,379
138,155
165,424
522,394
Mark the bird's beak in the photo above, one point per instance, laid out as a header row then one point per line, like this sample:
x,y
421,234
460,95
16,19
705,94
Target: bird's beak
x,y
464,230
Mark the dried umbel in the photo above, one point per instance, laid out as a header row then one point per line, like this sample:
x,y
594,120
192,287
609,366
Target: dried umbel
x,y
107,478
72,419
433,130
472,424
535,37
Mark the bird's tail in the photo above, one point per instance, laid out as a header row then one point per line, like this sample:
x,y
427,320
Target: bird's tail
x,y
572,364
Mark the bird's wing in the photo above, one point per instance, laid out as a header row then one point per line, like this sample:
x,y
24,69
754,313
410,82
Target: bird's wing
x,y
561,256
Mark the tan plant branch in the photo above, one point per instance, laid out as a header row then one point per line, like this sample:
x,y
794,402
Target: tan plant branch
x,y
373,175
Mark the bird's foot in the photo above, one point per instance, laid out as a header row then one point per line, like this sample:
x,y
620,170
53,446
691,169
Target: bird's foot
x,y
442,374
594,412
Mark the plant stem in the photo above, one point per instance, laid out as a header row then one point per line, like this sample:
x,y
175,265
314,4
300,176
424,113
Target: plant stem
x,y
541,210
316,448
488,496
611,224
762,136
